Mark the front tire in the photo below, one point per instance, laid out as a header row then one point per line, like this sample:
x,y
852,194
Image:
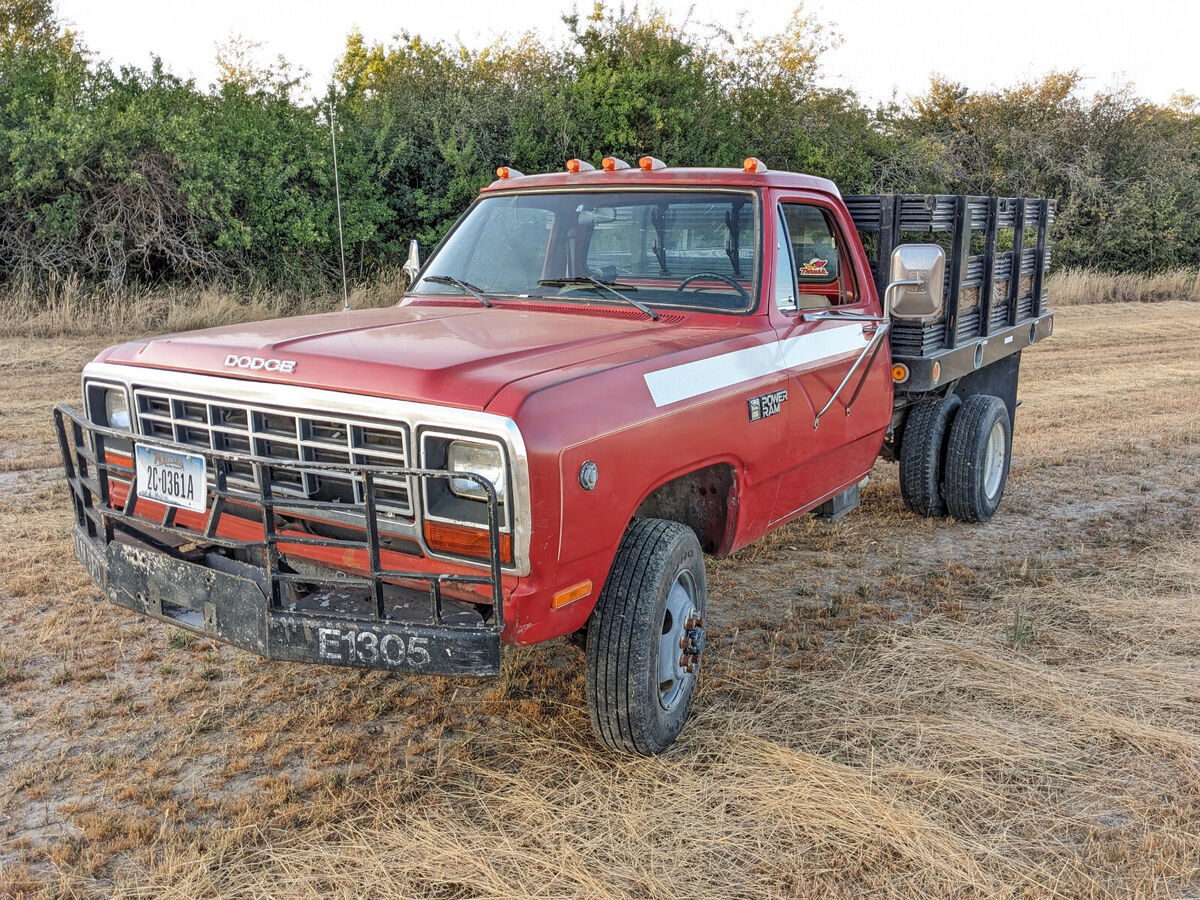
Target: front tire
x,y
645,638
977,458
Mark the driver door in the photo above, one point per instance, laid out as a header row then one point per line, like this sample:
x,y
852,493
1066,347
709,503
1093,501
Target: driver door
x,y
816,273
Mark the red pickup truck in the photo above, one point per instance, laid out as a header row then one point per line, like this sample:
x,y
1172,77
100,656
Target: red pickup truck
x,y
597,377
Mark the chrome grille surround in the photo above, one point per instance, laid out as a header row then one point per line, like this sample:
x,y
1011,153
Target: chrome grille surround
x,y
326,404
289,436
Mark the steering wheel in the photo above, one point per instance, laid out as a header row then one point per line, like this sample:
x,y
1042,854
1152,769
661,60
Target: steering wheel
x,y
719,277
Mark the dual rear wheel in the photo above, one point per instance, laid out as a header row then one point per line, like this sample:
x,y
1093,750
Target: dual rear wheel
x,y
954,457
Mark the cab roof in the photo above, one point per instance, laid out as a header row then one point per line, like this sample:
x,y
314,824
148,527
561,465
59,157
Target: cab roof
x,y
680,176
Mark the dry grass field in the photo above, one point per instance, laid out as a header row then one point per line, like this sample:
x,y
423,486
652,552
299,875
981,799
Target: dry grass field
x,y
892,706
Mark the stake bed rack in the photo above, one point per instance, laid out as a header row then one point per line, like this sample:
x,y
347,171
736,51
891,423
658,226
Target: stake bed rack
x,y
997,256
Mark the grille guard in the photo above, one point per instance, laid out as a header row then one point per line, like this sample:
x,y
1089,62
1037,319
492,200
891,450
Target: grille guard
x,y
254,606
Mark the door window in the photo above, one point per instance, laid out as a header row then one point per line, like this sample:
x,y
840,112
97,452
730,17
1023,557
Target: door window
x,y
785,269
824,276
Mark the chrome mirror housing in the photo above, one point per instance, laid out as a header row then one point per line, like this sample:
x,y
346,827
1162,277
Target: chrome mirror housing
x,y
915,283
411,266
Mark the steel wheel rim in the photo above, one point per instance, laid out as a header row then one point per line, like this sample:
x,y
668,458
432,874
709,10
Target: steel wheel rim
x,y
993,461
673,680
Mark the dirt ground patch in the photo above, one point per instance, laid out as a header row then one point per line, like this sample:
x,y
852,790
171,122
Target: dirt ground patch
x,y
892,706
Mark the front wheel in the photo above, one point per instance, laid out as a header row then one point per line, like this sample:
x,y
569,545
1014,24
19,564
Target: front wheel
x,y
645,638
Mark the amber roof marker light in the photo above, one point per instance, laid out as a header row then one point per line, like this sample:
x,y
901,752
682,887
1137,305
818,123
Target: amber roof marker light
x,y
575,166
753,165
646,163
507,172
612,164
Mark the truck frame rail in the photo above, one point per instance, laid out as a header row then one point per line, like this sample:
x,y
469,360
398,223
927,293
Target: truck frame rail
x,y
255,586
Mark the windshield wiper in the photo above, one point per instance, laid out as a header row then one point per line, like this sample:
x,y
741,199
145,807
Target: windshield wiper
x,y
588,281
464,286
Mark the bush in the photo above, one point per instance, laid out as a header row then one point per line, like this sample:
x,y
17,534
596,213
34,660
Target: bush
x,y
132,177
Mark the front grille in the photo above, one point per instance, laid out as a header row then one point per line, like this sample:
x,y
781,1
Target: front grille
x,y
291,437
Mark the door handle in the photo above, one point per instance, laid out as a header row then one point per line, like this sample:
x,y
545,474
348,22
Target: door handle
x,y
869,328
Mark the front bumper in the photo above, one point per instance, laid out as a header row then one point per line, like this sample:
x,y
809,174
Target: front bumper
x,y
197,579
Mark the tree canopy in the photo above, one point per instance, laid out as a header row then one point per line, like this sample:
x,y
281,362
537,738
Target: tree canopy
x,y
123,174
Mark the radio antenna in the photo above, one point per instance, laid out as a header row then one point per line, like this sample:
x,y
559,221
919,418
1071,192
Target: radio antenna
x,y
337,192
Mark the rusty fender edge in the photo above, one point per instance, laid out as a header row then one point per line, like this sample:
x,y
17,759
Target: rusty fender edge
x,y
234,609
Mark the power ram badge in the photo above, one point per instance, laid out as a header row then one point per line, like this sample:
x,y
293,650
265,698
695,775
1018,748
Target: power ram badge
x,y
766,405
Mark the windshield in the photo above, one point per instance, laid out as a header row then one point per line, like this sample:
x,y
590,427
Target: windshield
x,y
696,249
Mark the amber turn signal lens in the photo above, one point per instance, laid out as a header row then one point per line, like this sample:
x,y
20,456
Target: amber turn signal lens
x,y
118,459
571,594
899,373
462,540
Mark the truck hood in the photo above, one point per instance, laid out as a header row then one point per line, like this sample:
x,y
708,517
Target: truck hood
x,y
433,353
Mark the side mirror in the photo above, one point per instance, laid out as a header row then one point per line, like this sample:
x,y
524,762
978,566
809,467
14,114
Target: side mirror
x,y
915,282
412,266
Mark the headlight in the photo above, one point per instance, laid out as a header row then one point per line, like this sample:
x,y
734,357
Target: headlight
x,y
116,408
485,460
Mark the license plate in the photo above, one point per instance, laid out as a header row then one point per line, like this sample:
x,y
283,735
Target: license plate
x,y
167,476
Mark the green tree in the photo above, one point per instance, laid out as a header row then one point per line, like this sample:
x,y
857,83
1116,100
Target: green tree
x,y
118,175
1125,172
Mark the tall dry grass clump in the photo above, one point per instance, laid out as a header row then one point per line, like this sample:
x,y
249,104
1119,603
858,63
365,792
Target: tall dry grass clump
x,y
1073,287
68,307
1046,747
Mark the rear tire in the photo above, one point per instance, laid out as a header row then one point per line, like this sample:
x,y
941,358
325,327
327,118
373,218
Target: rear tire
x,y
977,458
639,688
923,454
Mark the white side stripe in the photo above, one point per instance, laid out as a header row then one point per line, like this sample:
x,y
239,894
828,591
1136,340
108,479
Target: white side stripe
x,y
695,378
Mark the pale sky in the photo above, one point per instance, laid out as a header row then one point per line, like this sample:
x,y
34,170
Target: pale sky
x,y
888,45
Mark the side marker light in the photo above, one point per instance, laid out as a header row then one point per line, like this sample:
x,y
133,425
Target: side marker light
x,y
570,595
